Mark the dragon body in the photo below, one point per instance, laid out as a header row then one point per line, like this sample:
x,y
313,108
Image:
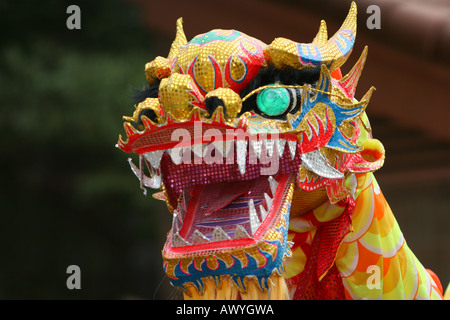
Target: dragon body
x,y
265,160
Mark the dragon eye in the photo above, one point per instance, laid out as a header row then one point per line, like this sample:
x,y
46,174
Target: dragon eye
x,y
273,101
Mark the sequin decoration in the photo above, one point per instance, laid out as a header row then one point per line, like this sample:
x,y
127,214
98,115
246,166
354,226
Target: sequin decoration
x,y
230,217
221,59
285,53
178,95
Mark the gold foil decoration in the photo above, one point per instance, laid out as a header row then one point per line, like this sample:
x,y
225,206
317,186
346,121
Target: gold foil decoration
x,y
159,68
176,95
180,40
232,101
285,53
149,103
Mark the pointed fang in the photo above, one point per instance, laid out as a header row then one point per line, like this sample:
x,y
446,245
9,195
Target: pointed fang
x,y
273,185
241,156
268,201
199,238
220,235
263,211
178,241
314,161
292,148
254,220
240,232
154,158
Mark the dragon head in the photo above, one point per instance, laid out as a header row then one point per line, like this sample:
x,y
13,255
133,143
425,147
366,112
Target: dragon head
x,y
238,136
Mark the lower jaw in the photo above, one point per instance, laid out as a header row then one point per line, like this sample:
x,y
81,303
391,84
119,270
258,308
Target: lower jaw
x,y
258,257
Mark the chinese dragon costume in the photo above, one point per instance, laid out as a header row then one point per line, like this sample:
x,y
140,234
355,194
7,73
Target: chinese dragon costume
x,y
265,160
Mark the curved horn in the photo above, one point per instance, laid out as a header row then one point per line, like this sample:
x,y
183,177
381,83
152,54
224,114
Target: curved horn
x,y
350,80
340,45
285,53
180,40
159,68
322,35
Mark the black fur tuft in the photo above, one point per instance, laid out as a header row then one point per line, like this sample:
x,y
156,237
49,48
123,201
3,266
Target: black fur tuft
x,y
139,95
212,103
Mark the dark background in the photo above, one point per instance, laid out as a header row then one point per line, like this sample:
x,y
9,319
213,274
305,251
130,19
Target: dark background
x,y
67,194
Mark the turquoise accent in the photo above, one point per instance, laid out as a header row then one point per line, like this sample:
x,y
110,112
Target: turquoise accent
x,y
337,141
273,102
214,35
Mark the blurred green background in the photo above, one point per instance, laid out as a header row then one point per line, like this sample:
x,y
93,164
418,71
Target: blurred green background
x,y
67,194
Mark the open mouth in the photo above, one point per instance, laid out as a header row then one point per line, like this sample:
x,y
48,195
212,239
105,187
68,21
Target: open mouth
x,y
222,205
226,214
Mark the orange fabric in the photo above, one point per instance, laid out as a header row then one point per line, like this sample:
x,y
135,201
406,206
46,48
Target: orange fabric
x,y
436,280
337,74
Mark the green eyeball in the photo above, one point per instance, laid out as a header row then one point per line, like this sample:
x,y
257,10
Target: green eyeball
x,y
273,101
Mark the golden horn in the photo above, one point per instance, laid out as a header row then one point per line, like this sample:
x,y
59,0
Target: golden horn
x,y
340,45
180,40
159,68
322,35
285,53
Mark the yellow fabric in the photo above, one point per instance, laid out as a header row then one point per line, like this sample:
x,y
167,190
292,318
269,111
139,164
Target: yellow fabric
x,y
373,260
376,251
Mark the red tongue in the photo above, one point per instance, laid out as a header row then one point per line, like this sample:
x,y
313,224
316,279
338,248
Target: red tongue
x,y
215,196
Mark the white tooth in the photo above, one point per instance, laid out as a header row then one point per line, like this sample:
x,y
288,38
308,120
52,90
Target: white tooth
x,y
206,147
263,212
215,145
314,161
268,201
186,154
198,150
280,147
218,147
227,147
185,201
177,155
240,232
154,182
175,222
178,241
220,235
154,158
135,169
268,144
292,148
257,147
199,238
241,156
254,220
273,185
